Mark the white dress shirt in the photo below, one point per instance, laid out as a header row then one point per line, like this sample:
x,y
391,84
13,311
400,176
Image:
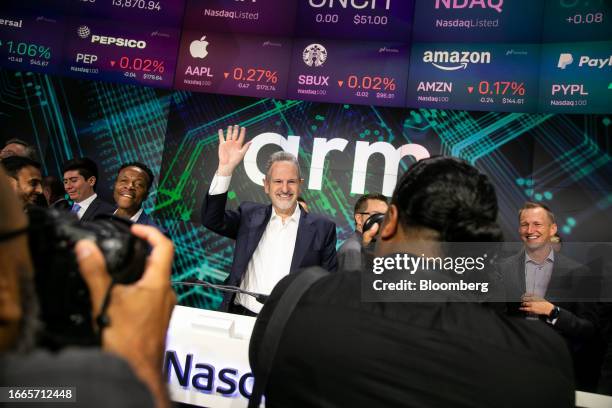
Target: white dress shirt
x,y
133,218
85,205
272,258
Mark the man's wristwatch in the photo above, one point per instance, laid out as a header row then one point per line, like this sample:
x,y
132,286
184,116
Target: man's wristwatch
x,y
554,314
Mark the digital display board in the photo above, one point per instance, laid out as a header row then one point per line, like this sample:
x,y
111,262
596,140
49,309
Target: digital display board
x,y
372,20
478,21
495,55
127,53
234,64
31,42
577,20
262,17
474,76
168,13
367,73
576,77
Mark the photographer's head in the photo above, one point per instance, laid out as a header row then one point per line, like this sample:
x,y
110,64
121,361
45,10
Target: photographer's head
x,y
80,178
441,199
132,187
25,178
17,299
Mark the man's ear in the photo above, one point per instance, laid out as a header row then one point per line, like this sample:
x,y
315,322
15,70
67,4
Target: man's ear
x,y
390,223
265,185
13,183
91,181
554,229
358,220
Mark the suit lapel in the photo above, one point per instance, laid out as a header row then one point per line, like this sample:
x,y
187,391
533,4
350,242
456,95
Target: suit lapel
x,y
90,210
257,226
305,234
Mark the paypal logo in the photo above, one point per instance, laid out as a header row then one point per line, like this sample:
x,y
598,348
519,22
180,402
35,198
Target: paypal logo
x,y
565,60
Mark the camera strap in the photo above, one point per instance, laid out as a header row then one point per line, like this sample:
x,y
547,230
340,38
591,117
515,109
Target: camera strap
x,y
7,236
103,321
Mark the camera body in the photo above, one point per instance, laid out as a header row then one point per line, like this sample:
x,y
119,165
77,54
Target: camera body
x,y
376,218
65,304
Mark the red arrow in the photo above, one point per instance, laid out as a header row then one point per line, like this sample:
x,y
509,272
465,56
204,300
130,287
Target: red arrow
x,y
112,63
226,74
470,89
340,83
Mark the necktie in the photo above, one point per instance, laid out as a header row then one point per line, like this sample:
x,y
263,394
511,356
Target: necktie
x,y
75,208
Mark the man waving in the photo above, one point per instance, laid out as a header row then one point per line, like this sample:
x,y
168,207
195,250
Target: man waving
x,y
271,240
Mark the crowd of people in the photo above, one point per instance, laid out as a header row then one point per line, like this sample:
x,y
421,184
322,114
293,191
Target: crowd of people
x,y
76,192
336,349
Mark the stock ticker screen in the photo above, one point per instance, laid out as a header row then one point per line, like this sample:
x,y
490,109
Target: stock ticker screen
x,y
490,55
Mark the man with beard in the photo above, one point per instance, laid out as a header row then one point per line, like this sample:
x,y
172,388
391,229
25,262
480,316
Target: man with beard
x,y
25,178
271,240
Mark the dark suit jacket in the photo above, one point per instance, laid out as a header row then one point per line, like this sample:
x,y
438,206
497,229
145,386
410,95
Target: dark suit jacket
x,y
315,243
576,319
146,219
98,206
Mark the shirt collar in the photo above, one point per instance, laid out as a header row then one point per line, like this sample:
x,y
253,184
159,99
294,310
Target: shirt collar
x,y
549,258
86,202
135,217
294,217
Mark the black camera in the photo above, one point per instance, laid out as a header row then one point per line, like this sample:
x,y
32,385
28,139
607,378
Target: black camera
x,y
64,300
376,218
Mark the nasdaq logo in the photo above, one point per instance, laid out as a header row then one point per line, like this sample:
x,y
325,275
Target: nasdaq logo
x,y
454,60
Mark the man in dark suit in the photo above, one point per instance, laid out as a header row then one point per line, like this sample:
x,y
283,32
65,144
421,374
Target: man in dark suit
x,y
80,178
132,187
271,240
542,284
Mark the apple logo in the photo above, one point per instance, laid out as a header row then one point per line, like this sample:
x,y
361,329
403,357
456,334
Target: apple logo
x,y
197,49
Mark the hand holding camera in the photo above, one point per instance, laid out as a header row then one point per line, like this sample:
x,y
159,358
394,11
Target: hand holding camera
x,y
138,314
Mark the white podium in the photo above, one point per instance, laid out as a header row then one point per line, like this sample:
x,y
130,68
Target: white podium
x,y
207,358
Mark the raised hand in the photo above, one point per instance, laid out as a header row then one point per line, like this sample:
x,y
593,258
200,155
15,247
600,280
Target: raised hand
x,y
231,149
